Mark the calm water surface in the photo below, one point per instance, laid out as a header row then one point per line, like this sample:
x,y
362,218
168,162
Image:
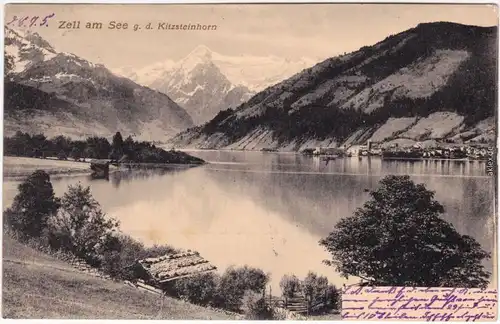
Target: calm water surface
x,y
269,210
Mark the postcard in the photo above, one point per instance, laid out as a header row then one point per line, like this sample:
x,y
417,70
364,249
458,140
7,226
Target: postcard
x,y
250,161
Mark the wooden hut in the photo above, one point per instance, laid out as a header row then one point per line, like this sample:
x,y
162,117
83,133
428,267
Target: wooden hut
x,y
159,271
100,168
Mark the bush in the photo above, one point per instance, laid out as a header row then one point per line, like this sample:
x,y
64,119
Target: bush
x,y
290,285
80,227
158,250
314,288
117,262
235,282
333,298
200,289
120,257
321,295
255,307
32,206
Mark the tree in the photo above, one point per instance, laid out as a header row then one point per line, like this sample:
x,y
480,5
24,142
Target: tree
x,y
117,147
290,285
61,143
76,153
33,205
81,228
333,297
19,145
236,281
39,145
62,155
97,148
314,288
398,239
128,148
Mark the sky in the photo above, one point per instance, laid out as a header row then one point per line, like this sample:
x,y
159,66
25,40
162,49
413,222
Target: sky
x,y
292,31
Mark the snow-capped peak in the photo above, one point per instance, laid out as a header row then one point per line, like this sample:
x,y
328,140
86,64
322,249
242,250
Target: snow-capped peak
x,y
201,51
253,72
26,48
200,55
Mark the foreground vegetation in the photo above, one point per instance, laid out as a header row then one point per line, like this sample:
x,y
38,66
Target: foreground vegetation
x,y
75,225
399,239
396,239
26,145
37,285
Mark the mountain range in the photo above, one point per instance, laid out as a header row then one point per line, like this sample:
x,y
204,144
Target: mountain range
x,y
58,93
434,82
205,82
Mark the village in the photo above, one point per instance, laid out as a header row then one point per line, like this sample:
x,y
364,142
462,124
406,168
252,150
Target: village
x,y
418,150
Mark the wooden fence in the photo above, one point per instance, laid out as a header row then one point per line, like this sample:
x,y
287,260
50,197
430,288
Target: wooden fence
x,y
298,303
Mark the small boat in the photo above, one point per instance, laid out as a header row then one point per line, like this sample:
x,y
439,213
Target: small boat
x,y
328,158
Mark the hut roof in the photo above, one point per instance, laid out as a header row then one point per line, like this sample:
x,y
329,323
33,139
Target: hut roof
x,y
175,266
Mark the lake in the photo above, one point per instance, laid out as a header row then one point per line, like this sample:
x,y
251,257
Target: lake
x,y
269,210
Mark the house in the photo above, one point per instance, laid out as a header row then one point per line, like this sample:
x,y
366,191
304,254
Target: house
x,y
167,268
418,145
326,151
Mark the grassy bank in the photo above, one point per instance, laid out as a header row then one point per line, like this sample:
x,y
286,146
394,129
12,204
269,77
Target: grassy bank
x,y
36,285
20,167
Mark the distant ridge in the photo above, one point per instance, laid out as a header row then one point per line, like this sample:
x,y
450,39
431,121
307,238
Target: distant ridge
x,y
62,94
433,82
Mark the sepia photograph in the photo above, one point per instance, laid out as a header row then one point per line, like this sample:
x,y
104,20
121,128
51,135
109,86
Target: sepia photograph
x,y
250,161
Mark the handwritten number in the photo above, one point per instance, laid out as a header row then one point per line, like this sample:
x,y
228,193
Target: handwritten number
x,y
33,20
12,21
45,20
21,22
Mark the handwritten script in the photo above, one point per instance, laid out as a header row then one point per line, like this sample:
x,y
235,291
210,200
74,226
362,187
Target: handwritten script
x,y
30,21
419,304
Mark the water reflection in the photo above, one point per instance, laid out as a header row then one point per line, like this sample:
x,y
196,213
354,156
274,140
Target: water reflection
x,y
269,210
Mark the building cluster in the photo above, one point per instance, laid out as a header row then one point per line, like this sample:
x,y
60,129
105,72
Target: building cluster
x,y
438,152
416,151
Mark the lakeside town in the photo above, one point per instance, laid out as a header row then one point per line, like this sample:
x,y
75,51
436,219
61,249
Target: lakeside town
x,y
476,151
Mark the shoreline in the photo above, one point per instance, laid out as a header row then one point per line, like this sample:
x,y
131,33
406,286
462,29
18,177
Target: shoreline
x,y
321,155
16,168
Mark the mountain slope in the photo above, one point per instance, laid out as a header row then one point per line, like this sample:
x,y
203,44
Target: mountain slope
x,y
206,82
197,84
435,81
72,96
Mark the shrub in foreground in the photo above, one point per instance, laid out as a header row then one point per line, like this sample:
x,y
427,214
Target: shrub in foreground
x,y
117,262
32,206
81,228
200,289
235,282
76,226
290,285
255,307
